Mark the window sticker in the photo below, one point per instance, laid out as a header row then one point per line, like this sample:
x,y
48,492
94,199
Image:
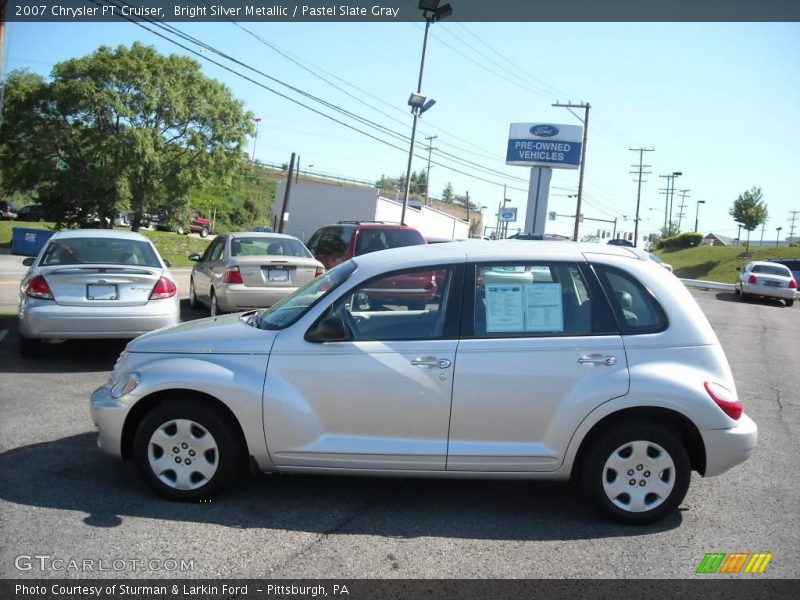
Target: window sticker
x,y
528,307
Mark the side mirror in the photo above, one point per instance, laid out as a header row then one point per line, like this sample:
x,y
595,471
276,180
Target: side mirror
x,y
194,257
27,262
168,262
329,329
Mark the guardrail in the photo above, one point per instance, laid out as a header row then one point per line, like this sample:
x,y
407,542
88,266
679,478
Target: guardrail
x,y
707,285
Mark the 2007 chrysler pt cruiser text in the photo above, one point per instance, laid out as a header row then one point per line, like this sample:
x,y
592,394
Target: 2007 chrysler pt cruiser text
x,y
532,360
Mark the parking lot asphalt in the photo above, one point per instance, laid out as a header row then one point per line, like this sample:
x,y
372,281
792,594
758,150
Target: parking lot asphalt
x,y
63,498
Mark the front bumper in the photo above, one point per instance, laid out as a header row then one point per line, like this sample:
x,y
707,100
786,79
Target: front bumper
x,y
109,414
726,448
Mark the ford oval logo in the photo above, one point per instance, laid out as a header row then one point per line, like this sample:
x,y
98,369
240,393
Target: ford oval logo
x,y
544,130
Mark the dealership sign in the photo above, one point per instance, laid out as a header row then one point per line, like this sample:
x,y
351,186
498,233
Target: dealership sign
x,y
544,145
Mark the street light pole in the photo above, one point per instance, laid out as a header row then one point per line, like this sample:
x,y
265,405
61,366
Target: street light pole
x,y
697,213
432,13
778,236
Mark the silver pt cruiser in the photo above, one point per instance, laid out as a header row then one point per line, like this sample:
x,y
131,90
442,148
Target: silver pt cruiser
x,y
532,360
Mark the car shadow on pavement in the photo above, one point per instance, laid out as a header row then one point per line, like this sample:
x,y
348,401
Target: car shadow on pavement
x,y
71,474
731,297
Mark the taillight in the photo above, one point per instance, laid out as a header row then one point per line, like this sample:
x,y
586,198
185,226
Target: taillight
x,y
319,272
752,279
725,399
232,275
165,288
793,284
38,288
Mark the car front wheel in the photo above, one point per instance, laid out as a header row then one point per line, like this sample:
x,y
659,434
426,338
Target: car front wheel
x,y
789,302
186,451
637,472
204,232
192,295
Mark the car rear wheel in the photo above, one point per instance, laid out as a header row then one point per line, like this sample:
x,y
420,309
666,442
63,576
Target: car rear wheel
x,y
204,232
789,302
187,451
637,472
192,295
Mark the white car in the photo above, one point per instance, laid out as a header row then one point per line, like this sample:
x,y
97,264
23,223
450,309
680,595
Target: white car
x,y
95,283
535,360
768,280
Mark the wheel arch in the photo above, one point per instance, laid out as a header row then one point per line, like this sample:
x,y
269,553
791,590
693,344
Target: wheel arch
x,y
678,423
143,407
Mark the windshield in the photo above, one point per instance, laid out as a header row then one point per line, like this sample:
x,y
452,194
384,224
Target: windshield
x,y
294,306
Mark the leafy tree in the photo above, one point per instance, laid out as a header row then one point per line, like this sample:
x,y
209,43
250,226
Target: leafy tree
x,y
447,193
123,127
749,211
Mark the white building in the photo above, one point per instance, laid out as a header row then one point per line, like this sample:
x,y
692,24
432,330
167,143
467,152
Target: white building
x,y
313,205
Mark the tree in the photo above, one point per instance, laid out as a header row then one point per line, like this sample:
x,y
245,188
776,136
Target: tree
x,y
447,193
123,127
749,211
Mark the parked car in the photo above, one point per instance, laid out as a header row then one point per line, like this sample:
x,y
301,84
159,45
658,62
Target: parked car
x,y
334,244
792,263
8,210
536,360
768,280
240,271
33,212
95,284
620,242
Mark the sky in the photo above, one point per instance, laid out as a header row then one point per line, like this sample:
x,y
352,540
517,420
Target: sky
x,y
717,102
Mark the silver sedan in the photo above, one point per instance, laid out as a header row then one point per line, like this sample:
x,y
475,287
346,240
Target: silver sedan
x,y
239,271
95,284
768,280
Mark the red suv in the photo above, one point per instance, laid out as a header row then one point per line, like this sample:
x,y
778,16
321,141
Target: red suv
x,y
334,244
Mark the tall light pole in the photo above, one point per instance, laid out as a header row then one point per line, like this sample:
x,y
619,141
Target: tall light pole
x,y
697,213
432,12
255,138
778,236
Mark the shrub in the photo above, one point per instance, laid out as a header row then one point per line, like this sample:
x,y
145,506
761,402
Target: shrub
x,y
682,240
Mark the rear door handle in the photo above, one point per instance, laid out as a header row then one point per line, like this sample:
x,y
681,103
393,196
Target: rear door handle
x,y
431,362
597,359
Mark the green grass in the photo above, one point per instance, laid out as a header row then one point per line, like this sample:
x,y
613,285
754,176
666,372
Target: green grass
x,y
718,263
173,247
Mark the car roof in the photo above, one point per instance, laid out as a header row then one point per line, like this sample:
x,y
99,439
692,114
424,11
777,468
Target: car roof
x,y
260,234
765,263
99,233
371,224
480,250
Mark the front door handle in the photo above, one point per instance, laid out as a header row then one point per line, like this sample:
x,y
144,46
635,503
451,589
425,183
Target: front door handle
x,y
431,362
597,359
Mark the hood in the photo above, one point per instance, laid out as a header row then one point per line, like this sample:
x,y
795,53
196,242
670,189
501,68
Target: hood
x,y
227,334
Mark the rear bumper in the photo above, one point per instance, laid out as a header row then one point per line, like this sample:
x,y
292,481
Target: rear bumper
x,y
767,291
237,297
726,448
48,320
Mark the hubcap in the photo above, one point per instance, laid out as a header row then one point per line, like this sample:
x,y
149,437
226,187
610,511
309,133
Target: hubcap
x,y
183,454
638,476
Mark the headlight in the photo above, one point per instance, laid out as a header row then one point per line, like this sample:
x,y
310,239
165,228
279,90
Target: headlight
x,y
124,385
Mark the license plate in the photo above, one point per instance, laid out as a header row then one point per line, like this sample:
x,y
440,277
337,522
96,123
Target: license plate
x,y
101,292
278,275
772,283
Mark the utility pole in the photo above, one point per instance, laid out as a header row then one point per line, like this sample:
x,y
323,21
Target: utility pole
x,y
586,106
639,174
428,172
283,216
794,214
668,200
468,223
681,206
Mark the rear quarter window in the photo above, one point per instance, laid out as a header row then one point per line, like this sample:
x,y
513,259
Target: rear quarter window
x,y
634,306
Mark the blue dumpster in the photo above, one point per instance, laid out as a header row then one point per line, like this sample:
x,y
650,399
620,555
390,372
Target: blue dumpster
x,y
28,242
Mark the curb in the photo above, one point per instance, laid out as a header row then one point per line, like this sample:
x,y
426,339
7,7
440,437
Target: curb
x,y
707,285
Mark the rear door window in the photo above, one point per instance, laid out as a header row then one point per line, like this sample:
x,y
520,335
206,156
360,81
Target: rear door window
x,y
635,307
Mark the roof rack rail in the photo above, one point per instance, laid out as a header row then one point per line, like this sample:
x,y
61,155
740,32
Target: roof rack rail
x,y
369,222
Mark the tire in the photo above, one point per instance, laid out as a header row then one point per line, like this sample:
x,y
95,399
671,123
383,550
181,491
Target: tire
x,y
192,295
637,472
198,438
737,292
789,302
204,232
30,347
213,306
